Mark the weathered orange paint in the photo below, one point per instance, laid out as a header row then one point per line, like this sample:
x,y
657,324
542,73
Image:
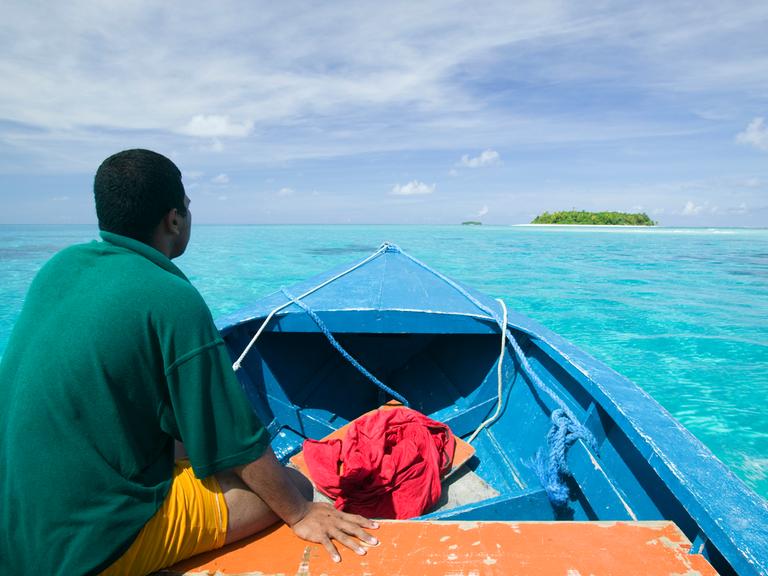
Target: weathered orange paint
x,y
423,548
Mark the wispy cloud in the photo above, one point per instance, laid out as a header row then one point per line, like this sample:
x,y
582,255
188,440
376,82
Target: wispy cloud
x,y
482,212
258,88
220,179
215,126
693,209
415,82
285,191
486,158
413,188
755,134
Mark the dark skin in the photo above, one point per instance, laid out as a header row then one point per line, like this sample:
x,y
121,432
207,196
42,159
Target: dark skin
x,y
264,492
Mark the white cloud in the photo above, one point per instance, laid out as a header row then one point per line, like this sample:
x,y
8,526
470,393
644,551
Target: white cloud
x,y
220,179
755,134
285,192
482,212
339,86
413,188
692,209
486,158
362,76
215,126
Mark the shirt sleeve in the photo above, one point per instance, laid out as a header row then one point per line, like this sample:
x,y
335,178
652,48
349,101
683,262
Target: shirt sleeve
x,y
211,413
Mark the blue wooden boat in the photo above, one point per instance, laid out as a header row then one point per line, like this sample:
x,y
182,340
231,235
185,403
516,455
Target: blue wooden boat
x,y
558,435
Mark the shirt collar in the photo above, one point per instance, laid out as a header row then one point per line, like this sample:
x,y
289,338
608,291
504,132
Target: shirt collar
x,y
143,249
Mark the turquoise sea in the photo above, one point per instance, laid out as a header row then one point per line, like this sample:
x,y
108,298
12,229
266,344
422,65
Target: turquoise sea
x,y
682,312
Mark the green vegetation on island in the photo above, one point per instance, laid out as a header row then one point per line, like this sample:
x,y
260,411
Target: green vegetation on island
x,y
594,218
471,223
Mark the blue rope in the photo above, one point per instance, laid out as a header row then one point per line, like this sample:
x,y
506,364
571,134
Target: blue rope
x,y
532,376
566,428
552,470
386,389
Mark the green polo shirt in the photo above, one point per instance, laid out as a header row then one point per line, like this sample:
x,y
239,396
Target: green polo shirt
x,y
113,357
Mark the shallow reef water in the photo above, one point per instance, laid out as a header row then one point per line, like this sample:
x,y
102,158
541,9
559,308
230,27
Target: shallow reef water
x,y
680,311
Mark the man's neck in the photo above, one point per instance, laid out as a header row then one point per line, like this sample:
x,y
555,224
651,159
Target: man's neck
x,y
163,243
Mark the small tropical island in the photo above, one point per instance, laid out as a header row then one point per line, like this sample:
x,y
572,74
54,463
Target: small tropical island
x,y
471,223
594,218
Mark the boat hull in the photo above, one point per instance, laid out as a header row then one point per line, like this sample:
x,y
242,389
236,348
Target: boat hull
x,y
437,345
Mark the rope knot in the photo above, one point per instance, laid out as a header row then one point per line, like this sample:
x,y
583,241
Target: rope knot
x,y
552,470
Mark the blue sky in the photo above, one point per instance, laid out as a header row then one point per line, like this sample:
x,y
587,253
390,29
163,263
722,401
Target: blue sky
x,y
392,112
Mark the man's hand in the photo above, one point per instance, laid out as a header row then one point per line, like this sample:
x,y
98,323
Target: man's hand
x,y
323,523
312,521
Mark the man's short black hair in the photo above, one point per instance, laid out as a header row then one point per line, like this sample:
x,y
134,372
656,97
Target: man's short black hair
x,y
134,190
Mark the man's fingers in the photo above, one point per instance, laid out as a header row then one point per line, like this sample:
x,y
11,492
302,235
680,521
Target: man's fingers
x,y
328,545
323,524
348,541
360,520
358,532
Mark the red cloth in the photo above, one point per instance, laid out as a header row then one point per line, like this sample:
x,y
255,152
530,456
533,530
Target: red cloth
x,y
391,462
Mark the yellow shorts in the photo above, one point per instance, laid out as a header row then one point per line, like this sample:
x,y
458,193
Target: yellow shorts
x,y
192,519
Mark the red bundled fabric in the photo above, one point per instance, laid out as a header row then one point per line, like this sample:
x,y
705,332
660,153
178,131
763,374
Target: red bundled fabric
x,y
389,464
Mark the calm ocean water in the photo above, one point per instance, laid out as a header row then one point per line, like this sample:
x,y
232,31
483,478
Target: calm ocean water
x,y
681,312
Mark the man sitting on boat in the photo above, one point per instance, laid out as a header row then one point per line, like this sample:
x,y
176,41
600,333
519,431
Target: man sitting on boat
x,y
113,358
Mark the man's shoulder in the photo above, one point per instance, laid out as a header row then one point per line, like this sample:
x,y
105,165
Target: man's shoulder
x,y
64,264
125,274
91,253
74,252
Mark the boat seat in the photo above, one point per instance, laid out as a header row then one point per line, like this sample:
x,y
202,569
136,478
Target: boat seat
x,y
462,488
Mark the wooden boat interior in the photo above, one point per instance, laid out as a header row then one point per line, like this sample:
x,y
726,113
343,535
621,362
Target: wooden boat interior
x,y
435,345
301,387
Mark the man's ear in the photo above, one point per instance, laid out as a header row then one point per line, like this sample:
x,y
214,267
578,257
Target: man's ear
x,y
171,221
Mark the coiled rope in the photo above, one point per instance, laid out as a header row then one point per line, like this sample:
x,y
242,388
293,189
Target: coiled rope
x,y
552,469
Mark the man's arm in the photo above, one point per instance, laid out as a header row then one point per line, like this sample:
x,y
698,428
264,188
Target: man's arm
x,y
312,521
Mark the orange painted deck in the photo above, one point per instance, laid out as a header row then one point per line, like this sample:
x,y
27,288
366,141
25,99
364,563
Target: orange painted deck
x,y
422,548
